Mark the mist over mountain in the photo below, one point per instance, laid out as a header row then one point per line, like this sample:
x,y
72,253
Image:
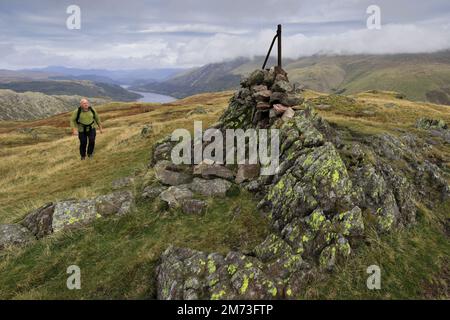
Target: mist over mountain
x,y
420,77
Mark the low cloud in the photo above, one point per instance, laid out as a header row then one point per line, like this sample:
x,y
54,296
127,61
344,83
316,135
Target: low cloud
x,y
186,34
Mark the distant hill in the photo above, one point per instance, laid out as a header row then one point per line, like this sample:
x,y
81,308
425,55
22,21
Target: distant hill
x,y
89,77
79,88
12,75
209,78
420,77
112,76
34,105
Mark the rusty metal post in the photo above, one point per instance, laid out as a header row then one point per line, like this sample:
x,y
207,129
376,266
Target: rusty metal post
x,y
277,36
279,45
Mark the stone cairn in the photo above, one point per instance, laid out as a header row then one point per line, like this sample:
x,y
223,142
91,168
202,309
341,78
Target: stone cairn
x,y
315,202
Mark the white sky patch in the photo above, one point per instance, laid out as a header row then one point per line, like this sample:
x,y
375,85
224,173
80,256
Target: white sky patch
x,y
177,33
193,27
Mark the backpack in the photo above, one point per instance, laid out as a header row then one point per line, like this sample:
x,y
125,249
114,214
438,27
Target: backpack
x,y
85,125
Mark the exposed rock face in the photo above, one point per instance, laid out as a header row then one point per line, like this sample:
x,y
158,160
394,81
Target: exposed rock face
x,y
437,127
325,195
36,105
14,234
55,217
39,222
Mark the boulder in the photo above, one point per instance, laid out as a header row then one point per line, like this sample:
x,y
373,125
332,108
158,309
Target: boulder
x,y
213,170
14,234
152,191
210,188
118,203
165,174
39,221
72,213
161,151
173,196
189,274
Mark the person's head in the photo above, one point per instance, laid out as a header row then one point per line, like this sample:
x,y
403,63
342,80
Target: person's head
x,y
84,104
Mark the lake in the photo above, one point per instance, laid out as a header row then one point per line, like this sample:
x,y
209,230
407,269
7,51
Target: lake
x,y
151,97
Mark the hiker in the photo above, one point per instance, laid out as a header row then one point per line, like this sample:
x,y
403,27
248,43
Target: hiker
x,y
83,122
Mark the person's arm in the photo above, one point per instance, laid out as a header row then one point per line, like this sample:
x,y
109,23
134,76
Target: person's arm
x,y
73,123
97,119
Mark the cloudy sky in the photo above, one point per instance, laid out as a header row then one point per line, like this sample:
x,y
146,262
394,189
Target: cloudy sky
x,y
128,34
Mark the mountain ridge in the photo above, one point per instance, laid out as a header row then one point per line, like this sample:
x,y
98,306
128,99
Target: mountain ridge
x,y
420,77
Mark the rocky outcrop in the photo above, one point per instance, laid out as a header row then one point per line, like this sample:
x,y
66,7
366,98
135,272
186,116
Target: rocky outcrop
x,y
327,192
35,105
427,124
61,215
79,212
14,234
437,127
39,221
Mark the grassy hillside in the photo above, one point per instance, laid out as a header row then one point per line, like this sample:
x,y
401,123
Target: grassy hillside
x,y
68,87
420,77
118,257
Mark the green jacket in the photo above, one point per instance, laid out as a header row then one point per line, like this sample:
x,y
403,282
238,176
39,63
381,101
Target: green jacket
x,y
86,118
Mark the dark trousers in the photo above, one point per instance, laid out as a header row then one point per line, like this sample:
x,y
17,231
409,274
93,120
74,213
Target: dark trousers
x,y
84,137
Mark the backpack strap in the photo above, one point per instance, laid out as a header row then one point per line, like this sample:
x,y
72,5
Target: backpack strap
x,y
78,115
93,114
